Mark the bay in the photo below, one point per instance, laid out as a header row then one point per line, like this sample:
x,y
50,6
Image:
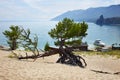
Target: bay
x,y
108,34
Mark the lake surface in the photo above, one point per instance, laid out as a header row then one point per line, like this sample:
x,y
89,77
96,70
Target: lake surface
x,y
108,34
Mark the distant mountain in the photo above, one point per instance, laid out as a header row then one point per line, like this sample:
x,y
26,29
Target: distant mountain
x,y
108,21
91,14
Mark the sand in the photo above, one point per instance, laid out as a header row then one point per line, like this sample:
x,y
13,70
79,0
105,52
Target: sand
x,y
47,69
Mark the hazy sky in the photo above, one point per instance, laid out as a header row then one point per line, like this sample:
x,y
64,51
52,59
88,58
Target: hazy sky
x,y
37,9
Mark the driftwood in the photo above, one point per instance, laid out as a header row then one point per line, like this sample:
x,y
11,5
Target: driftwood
x,y
47,53
103,72
66,56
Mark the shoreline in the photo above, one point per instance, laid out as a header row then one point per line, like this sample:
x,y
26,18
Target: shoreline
x,y
2,47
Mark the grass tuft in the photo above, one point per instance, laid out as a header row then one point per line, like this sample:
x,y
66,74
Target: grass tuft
x,y
12,55
113,53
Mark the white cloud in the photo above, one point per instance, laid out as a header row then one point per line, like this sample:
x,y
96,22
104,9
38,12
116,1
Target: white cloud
x,y
55,7
46,8
69,4
17,10
65,5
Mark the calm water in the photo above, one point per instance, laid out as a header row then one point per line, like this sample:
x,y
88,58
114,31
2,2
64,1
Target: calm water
x,y
108,34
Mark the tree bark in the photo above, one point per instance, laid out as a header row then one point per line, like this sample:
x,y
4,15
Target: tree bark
x,y
66,56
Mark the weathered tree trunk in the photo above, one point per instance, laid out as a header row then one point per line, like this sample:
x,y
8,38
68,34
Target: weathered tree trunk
x,y
66,56
69,58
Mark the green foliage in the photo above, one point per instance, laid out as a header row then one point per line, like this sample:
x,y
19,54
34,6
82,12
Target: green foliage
x,y
46,48
68,31
20,37
73,42
13,35
28,43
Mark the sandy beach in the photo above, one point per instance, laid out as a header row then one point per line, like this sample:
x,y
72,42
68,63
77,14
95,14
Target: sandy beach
x,y
48,69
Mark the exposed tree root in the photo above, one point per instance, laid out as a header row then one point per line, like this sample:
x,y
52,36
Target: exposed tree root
x,y
66,57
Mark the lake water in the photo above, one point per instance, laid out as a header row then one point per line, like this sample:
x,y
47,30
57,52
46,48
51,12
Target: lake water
x,y
108,34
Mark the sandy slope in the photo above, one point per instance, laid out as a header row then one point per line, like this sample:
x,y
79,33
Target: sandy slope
x,y
47,69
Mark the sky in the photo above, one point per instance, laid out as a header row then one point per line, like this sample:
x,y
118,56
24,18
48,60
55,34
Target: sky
x,y
45,9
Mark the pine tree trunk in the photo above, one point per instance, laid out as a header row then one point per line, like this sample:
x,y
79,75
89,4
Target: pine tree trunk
x,y
66,56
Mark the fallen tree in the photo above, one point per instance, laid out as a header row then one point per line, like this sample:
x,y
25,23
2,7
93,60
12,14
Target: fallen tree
x,y
66,57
